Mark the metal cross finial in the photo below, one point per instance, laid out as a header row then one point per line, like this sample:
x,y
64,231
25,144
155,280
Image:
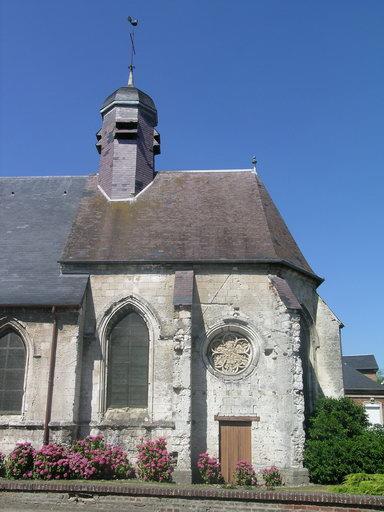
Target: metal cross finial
x,y
134,22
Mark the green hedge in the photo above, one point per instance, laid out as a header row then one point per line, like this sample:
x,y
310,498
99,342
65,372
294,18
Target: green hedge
x,y
362,483
339,442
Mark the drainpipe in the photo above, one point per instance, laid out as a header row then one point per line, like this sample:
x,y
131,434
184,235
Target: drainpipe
x,y
51,377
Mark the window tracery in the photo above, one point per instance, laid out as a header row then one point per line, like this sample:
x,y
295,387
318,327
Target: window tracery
x,y
230,353
12,371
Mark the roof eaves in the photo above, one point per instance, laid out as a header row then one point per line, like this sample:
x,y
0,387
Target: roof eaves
x,y
223,261
364,391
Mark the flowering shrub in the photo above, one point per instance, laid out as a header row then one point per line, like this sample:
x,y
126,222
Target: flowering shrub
x,y
154,461
121,466
2,469
272,477
209,468
88,444
19,463
245,474
92,457
80,466
51,462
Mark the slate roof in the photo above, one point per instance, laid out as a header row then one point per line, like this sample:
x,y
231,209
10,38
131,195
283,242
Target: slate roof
x,y
363,362
35,218
356,382
129,95
285,292
185,216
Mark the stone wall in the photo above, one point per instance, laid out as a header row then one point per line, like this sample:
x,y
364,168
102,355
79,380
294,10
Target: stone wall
x,y
186,392
230,299
150,498
272,391
325,340
35,328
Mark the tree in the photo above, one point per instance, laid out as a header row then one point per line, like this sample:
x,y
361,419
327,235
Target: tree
x,y
340,442
336,417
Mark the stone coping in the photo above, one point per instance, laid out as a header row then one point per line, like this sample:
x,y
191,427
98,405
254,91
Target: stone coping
x,y
199,492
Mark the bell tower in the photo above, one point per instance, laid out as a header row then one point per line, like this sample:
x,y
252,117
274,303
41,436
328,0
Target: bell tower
x,y
127,142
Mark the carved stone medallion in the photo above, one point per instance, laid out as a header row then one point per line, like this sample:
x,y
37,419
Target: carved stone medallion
x,y
230,353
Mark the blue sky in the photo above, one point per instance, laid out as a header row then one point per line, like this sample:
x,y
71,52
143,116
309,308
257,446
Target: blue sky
x,y
298,83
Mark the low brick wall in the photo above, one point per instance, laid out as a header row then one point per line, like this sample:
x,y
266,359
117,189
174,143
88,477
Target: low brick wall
x,y
180,498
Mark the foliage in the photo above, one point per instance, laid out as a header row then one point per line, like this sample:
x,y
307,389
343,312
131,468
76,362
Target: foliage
x,y
337,417
245,474
90,458
121,466
93,458
209,469
19,463
362,483
51,462
89,444
2,468
380,376
272,477
333,451
80,466
154,461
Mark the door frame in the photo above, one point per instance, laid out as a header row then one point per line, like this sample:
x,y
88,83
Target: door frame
x,y
245,421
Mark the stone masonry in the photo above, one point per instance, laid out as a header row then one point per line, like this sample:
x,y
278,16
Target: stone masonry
x,y
185,393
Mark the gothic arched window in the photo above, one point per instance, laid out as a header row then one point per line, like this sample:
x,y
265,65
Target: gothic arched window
x,y
128,356
12,370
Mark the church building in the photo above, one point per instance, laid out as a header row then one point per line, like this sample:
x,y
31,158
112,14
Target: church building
x,y
140,303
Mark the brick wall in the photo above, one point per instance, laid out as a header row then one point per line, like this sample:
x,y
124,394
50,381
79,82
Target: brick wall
x,y
176,499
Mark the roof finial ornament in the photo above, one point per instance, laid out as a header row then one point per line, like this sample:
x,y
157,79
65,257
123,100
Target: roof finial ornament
x,y
254,162
134,22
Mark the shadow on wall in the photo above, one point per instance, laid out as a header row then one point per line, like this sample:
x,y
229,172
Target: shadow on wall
x,y
308,346
91,353
199,388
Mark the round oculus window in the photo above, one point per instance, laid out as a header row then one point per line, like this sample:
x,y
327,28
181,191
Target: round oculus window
x,y
229,353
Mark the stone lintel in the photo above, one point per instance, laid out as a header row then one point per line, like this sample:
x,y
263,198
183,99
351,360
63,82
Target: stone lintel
x,y
236,418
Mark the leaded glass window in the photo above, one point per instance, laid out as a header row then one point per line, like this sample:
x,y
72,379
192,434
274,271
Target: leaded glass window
x,y
128,355
12,369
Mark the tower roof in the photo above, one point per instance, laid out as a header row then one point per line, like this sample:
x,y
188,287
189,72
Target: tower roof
x,y
200,216
129,96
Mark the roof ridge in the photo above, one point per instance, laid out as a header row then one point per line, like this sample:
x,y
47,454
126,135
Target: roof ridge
x,y
41,177
359,355
259,183
203,170
263,191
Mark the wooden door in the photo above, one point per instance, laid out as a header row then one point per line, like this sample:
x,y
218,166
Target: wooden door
x,y
235,445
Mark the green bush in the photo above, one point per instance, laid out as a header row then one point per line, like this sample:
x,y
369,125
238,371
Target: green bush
x,y
337,417
362,483
339,442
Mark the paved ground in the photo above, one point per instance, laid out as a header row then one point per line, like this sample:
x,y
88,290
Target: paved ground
x,y
51,504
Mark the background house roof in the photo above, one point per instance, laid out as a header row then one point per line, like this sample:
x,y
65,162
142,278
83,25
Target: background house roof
x,y
362,362
197,216
356,382
35,218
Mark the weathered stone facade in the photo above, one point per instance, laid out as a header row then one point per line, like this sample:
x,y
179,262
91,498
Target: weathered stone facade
x,y
186,393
